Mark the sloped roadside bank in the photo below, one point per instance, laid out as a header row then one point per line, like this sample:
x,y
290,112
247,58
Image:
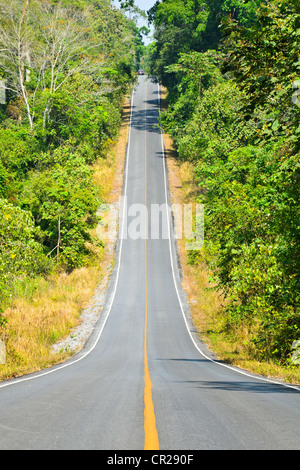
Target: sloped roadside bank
x,y
52,322
205,302
78,336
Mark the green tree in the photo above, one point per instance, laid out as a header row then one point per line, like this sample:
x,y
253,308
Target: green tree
x,y
67,66
264,60
178,29
21,256
183,26
235,116
63,201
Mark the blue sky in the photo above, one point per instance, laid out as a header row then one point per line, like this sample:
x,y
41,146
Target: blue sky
x,y
143,5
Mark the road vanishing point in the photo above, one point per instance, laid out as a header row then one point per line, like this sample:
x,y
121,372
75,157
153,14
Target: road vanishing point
x,y
144,380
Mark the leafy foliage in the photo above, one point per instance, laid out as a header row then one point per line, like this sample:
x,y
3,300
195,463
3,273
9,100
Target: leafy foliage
x,y
20,253
264,60
233,112
183,26
63,202
75,61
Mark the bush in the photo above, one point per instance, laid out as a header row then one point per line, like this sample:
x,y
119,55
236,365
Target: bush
x,y
17,156
251,217
18,149
63,201
215,128
21,255
78,114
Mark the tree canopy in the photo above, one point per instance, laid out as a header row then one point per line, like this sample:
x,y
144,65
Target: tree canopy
x,y
67,66
232,69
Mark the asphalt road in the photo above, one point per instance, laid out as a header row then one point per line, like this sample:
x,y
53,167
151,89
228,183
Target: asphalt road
x,y
143,379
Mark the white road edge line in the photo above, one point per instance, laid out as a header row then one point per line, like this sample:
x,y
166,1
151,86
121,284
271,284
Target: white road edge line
x,y
68,364
56,369
175,283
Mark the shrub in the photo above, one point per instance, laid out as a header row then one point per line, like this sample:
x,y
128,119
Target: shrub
x,y
63,201
21,255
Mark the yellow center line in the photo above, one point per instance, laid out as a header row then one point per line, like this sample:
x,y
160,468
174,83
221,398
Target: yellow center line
x,y
151,435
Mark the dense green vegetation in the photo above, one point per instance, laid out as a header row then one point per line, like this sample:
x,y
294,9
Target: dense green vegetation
x,y
67,66
232,70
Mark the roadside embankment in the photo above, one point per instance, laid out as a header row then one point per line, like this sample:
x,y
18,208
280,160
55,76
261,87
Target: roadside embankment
x,y
53,317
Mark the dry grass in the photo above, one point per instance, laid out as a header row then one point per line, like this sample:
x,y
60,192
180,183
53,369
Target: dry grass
x,y
203,301
48,312
206,303
36,323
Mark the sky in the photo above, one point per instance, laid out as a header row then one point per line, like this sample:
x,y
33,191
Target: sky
x,y
143,5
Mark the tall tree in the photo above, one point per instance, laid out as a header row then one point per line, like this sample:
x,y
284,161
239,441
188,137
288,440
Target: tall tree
x,y
43,44
182,26
179,26
264,60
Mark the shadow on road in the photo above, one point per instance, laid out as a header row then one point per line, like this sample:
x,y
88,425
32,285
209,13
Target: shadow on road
x,y
253,386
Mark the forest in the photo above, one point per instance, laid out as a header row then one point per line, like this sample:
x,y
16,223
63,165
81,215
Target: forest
x,y
65,67
232,71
